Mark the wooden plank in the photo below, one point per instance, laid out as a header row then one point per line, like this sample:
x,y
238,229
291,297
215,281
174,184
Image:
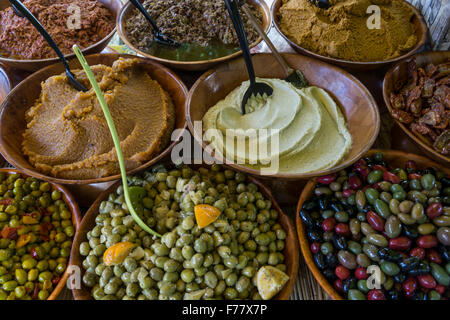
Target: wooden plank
x,y
437,16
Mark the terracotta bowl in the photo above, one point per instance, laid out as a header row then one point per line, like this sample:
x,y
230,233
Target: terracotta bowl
x,y
36,64
190,65
23,96
291,251
355,101
417,20
393,158
399,73
76,219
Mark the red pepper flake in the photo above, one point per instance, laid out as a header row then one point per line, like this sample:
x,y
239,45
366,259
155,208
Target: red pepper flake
x,y
9,233
35,293
6,201
34,253
44,237
45,228
55,280
44,212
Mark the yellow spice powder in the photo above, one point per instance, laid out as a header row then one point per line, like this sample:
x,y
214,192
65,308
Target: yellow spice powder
x,y
342,31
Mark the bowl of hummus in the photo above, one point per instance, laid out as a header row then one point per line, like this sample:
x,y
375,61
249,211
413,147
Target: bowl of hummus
x,y
88,23
293,134
53,132
354,34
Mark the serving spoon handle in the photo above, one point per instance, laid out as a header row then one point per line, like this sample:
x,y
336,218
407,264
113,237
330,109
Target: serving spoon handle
x,y
18,6
287,70
159,37
240,32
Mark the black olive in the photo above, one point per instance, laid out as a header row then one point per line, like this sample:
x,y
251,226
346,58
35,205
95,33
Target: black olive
x,y
446,201
445,182
351,210
314,236
405,185
324,202
319,260
444,251
336,206
383,163
410,232
393,295
367,209
390,255
339,242
409,263
331,260
422,268
419,295
399,277
430,170
306,218
369,161
310,205
329,274
349,283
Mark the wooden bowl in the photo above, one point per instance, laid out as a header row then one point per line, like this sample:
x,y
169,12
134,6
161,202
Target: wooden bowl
x,y
417,20
393,158
356,102
5,84
76,219
32,65
400,73
291,251
190,65
24,95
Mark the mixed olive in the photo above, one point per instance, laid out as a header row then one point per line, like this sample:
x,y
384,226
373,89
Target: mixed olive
x,y
192,259
36,237
382,233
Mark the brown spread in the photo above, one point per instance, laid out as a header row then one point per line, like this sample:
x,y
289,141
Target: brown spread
x,y
67,135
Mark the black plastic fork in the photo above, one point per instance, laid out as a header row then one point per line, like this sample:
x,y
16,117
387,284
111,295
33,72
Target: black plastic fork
x,y
22,11
255,88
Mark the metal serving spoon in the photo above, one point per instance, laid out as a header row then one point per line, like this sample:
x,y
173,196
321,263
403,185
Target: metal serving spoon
x,y
295,77
255,88
159,37
24,12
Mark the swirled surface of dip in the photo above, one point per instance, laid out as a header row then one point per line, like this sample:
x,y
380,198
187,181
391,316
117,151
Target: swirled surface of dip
x,y
305,129
67,135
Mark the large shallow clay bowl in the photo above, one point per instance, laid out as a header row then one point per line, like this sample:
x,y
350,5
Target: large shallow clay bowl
x,y
394,159
355,101
33,65
190,65
400,74
291,251
76,219
23,96
417,20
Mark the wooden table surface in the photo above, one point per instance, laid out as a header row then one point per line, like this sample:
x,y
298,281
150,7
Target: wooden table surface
x,y
436,14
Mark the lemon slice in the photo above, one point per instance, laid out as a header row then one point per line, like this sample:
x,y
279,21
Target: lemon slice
x,y
270,281
117,253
